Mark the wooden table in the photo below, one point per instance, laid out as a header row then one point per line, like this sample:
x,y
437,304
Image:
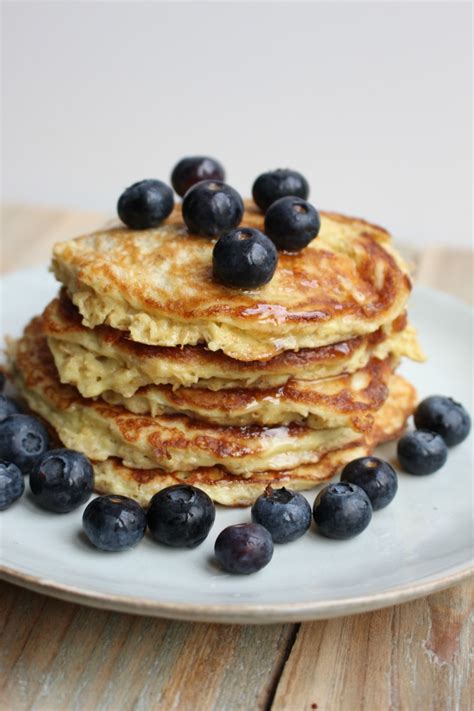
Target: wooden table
x,y
57,655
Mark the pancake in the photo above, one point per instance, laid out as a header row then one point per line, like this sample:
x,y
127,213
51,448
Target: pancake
x,y
340,401
103,358
111,476
156,285
172,443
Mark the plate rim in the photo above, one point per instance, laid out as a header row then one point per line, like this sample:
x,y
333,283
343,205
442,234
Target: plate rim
x,y
244,613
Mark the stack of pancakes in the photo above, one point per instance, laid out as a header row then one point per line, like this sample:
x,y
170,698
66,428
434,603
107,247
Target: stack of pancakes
x,y
161,375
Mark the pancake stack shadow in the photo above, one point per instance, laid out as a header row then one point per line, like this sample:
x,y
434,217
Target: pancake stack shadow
x,y
160,375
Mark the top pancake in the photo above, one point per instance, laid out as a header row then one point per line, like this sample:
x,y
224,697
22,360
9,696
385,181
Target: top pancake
x,y
157,285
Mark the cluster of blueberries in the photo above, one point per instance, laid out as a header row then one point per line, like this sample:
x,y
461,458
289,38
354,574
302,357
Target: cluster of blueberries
x,y
61,480
243,257
440,423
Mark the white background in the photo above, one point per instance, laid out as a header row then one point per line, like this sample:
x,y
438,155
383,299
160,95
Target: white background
x,y
371,101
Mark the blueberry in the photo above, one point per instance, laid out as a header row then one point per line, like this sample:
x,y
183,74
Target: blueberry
x,y
181,516
377,478
422,452
23,440
212,208
12,484
145,204
276,184
444,416
291,223
244,548
195,169
342,510
62,480
8,407
244,258
114,523
285,514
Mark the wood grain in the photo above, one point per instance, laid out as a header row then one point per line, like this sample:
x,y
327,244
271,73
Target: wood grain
x,y
56,655
59,656
412,656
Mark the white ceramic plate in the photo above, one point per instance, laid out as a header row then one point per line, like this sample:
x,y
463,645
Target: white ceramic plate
x,y
422,542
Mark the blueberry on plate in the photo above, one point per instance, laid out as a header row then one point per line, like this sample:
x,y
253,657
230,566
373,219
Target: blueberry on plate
x,y
422,452
342,510
195,169
284,513
8,407
180,516
244,258
114,523
445,416
276,184
244,548
62,480
377,478
291,223
23,440
212,208
145,204
12,484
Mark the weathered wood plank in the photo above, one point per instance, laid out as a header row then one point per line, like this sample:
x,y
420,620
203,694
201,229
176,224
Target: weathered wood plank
x,y
57,655
412,656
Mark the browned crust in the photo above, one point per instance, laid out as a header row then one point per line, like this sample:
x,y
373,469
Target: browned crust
x,y
400,323
213,475
287,361
399,408
35,362
344,400
294,276
209,475
36,365
165,433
